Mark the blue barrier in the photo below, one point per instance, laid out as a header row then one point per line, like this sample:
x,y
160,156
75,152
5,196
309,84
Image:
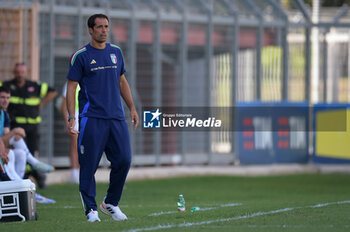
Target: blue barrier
x,y
272,132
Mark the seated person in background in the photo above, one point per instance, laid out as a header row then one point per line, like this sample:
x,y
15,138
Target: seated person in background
x,y
16,159
17,134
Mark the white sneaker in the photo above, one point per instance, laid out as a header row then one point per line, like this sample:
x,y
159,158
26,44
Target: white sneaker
x,y
113,211
93,216
43,200
43,167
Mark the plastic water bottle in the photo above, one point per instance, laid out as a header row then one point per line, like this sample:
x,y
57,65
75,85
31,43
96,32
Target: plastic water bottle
x,y
181,204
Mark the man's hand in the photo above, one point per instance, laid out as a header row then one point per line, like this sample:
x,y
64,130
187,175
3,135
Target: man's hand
x,y
3,152
19,131
4,158
134,118
49,97
70,128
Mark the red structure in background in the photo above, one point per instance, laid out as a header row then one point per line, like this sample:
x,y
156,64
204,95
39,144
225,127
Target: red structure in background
x,y
170,35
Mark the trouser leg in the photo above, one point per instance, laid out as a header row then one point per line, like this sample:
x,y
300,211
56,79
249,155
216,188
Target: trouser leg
x,y
10,167
21,161
92,139
118,152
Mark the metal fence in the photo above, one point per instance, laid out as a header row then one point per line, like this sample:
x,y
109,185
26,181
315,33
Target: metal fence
x,y
194,53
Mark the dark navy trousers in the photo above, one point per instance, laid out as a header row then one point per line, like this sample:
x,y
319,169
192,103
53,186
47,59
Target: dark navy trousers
x,y
97,136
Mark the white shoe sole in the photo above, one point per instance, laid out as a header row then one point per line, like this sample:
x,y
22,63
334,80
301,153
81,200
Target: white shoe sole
x,y
96,220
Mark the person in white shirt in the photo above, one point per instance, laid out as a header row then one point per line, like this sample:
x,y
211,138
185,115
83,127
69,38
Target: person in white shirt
x,y
73,139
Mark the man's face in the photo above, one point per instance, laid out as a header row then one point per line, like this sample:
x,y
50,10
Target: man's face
x,y
20,72
4,100
100,31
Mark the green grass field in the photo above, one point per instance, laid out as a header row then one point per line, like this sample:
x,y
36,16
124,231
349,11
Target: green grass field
x,y
274,203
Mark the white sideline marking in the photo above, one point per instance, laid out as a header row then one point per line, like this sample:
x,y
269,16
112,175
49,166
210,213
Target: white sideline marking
x,y
230,205
201,209
207,209
189,224
279,226
70,207
47,206
162,213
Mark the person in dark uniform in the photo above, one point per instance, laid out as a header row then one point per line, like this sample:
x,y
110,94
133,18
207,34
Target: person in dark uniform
x,y
27,99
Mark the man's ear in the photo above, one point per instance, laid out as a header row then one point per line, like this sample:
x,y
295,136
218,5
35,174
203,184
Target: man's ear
x,y
90,30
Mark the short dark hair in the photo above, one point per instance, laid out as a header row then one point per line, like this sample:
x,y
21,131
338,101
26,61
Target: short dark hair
x,y
91,20
4,89
20,64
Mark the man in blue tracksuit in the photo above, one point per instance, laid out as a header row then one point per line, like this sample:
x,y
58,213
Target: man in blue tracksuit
x,y
98,68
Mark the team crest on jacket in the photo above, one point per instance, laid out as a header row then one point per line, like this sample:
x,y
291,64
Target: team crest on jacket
x,y
30,89
113,58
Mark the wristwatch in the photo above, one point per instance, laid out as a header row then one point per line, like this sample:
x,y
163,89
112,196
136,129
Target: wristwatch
x,y
71,117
